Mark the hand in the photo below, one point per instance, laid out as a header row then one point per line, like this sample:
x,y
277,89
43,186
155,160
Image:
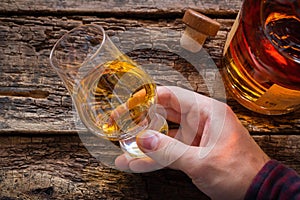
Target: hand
x,y
211,146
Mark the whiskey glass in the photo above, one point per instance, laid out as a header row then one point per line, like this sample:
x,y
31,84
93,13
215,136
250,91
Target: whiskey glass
x,y
113,96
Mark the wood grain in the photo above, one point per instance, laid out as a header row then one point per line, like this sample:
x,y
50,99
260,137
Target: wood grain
x,y
60,167
121,8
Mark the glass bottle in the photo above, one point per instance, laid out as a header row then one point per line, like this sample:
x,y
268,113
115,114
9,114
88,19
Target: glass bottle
x,y
262,56
114,97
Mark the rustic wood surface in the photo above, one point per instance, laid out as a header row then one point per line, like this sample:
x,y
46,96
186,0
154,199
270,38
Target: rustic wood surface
x,y
131,8
41,155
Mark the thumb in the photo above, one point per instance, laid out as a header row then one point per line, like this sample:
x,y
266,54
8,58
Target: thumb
x,y
165,150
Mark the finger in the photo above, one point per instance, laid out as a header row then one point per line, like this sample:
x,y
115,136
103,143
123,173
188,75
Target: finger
x,y
170,114
179,99
137,165
144,165
185,107
175,133
166,151
198,112
122,162
167,98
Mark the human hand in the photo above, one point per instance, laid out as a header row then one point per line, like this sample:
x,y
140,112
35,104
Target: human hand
x,y
211,146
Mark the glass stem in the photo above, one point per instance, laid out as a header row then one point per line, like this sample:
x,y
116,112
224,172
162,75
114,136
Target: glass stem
x,y
129,145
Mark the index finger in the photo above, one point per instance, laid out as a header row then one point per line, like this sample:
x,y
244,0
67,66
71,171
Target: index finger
x,y
181,100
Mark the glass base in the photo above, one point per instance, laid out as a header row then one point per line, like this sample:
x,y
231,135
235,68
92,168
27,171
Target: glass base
x,y
129,145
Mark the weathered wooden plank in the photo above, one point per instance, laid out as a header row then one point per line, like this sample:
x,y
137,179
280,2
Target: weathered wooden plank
x,y
137,8
32,97
60,167
285,148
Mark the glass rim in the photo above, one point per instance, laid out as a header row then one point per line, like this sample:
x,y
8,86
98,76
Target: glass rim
x,y
70,31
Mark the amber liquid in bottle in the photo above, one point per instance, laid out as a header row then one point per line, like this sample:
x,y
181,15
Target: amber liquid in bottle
x,y
115,98
262,57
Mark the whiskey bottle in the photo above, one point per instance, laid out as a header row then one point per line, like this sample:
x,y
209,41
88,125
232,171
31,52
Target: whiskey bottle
x,y
262,56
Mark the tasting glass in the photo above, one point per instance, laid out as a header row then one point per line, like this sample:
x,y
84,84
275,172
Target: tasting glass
x,y
113,96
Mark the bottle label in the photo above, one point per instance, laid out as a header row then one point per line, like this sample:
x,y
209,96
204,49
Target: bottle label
x,y
279,98
232,32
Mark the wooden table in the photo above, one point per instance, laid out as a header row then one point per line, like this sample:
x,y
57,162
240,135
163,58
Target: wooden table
x,y
41,155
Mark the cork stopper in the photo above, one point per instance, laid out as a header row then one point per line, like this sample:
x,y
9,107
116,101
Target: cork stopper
x,y
198,28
